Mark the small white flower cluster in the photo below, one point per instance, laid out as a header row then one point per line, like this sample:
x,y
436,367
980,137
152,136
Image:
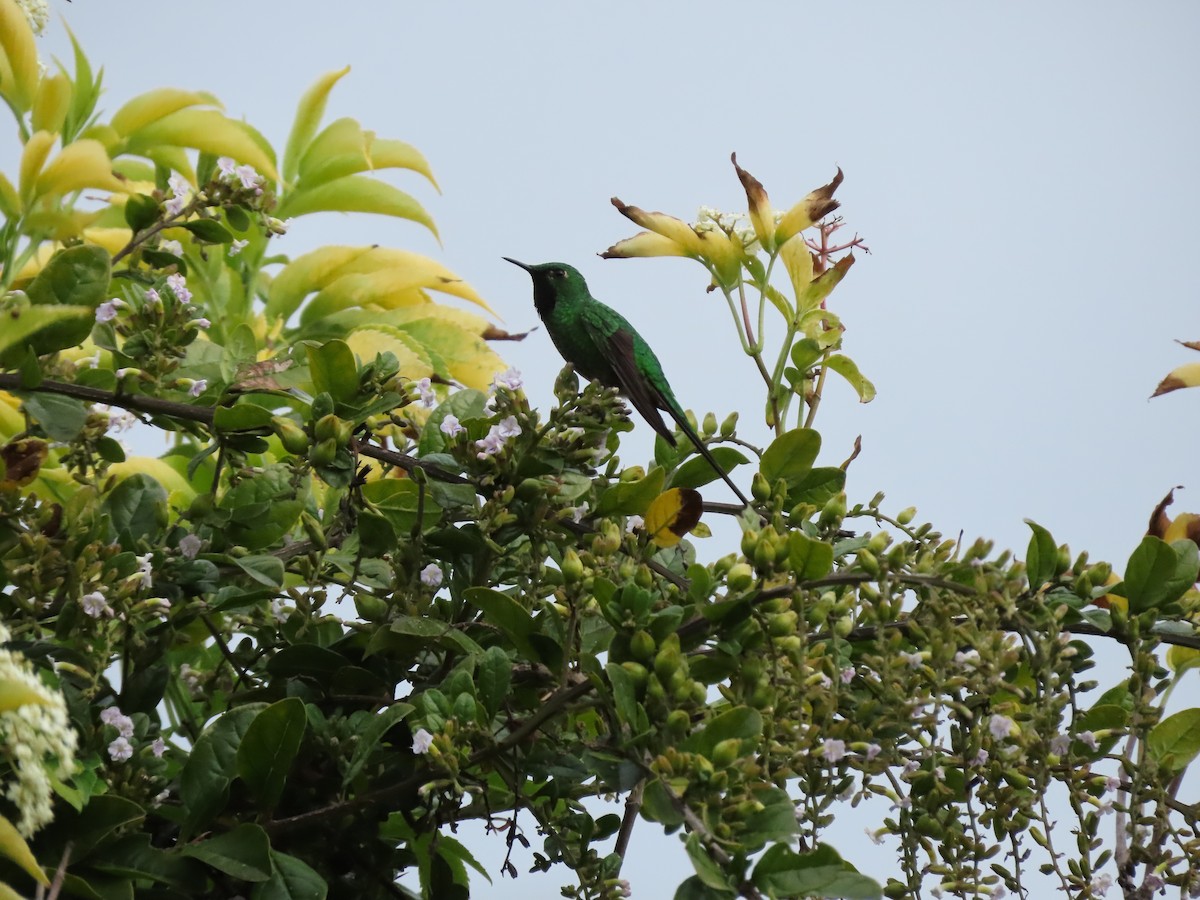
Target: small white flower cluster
x,y
497,437
37,12
181,192
249,179
736,225
36,738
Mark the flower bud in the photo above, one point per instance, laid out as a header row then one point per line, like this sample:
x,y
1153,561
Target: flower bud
x,y
833,512
638,673
290,434
324,453
327,427
749,542
572,567
709,426
633,473
726,752
741,577
760,488
729,425
868,561
906,515
642,646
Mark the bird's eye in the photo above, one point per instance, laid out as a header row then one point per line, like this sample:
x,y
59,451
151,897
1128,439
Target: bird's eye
x,y
558,273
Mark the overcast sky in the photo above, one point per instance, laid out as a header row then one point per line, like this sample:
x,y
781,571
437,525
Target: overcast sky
x,y
1024,174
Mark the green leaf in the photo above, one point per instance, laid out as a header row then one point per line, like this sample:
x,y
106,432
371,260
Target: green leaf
x,y
781,872
657,805
631,497
292,879
776,821
62,418
805,353
1041,559
263,508
242,416
268,748
741,722
434,630
237,218
132,856
244,853
1153,576
847,368
707,870
790,456
208,231
77,276
808,557
267,570
398,500
334,370
505,613
697,471
141,211
45,329
369,738
212,765
818,486
1175,741
693,888
355,193
137,509
493,679
624,693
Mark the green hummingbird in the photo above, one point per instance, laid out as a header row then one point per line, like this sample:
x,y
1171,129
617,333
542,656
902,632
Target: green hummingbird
x,y
604,347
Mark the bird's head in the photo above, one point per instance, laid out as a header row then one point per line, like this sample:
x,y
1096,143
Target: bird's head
x,y
553,281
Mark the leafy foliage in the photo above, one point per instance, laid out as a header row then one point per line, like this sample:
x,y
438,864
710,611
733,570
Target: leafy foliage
x,y
370,592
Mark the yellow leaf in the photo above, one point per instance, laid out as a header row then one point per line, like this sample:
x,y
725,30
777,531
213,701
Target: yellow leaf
x,y
180,492
1181,658
369,340
12,421
7,893
340,149
12,844
61,223
173,158
307,273
82,164
206,130
672,514
393,154
355,193
761,215
1185,376
111,239
157,104
33,157
15,693
815,206
799,264
10,201
644,243
52,102
18,60
308,117
660,223
464,355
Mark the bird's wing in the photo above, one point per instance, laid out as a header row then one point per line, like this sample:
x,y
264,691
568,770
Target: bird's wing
x,y
618,345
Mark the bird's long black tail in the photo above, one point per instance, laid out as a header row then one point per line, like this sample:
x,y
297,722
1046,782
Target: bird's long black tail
x,y
686,427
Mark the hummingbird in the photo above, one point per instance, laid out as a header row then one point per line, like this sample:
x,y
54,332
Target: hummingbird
x,y
604,347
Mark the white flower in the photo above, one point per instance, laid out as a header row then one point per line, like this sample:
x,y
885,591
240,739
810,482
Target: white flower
x,y
968,659
175,205
237,247
226,165
425,389
120,750
981,758
277,227
510,378
173,247
188,675
1112,783
36,12
248,176
633,523
121,420
422,741
1060,744
189,546
95,605
107,311
1002,727
145,569
847,674
915,660
159,747
178,285
450,426
201,323
833,749
178,184
578,512
279,611
153,298
1088,739
876,836
198,387
508,428
112,715
1101,884
431,575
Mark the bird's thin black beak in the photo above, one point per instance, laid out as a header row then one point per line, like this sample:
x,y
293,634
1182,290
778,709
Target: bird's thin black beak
x,y
517,262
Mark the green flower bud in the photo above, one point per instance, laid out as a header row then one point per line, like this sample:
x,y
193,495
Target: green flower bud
x,y
868,562
327,427
833,512
323,453
679,722
879,542
638,673
783,623
740,577
370,608
726,752
642,646
1099,573
1064,560
313,529
906,515
709,426
290,434
749,542
729,425
633,473
760,488
572,567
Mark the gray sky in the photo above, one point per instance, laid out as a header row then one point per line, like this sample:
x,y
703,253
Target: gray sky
x,y
1024,173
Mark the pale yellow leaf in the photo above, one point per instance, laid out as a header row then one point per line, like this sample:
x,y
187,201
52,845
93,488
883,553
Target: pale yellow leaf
x,y
15,693
33,157
339,150
815,206
12,844
206,130
355,193
10,200
393,154
180,492
81,164
370,340
799,264
670,227
307,273
465,356
643,244
111,239
309,112
153,105
51,103
18,50
173,159
1185,376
